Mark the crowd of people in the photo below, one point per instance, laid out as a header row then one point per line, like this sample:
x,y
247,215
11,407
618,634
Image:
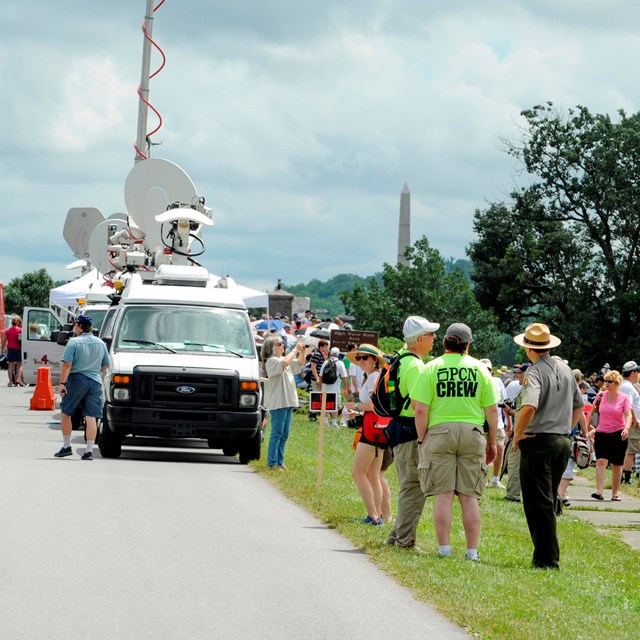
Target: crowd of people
x,y
465,425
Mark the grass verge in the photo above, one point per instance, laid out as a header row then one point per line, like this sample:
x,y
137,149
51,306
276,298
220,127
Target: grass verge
x,y
594,595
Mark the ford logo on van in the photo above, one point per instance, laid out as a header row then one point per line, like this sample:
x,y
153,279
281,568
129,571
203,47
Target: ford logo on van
x,y
185,390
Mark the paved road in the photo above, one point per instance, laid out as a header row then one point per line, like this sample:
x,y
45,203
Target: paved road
x,y
165,543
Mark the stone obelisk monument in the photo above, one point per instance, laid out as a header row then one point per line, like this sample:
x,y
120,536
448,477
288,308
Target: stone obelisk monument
x,y
404,227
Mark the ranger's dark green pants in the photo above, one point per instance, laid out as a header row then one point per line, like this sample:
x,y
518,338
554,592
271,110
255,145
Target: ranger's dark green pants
x,y
543,460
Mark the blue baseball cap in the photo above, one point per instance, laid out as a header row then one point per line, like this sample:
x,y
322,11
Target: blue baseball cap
x,y
84,321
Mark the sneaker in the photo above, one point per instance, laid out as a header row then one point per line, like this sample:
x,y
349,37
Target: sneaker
x,y
475,558
87,455
512,499
445,554
334,423
496,484
376,522
64,452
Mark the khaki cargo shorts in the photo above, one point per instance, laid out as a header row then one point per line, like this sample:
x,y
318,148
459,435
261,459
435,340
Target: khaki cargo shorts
x,y
452,458
501,436
633,443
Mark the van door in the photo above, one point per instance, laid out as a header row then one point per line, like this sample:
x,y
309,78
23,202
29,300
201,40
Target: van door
x,y
38,348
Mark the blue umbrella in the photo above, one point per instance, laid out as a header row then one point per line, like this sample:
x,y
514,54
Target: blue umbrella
x,y
270,325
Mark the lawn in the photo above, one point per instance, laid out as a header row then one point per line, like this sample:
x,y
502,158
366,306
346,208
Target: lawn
x,y
594,595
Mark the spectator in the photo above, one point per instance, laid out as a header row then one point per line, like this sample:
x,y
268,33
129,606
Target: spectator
x,y
419,335
317,360
453,397
628,386
513,454
12,345
367,461
281,396
334,387
501,433
611,433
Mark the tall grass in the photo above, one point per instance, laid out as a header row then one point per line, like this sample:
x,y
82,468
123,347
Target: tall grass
x,y
594,595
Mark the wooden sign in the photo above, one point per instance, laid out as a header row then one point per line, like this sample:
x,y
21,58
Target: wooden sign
x,y
341,338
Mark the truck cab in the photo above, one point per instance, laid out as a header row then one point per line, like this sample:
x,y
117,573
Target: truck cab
x,y
183,364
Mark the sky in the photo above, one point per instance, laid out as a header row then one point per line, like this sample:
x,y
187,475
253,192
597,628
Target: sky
x,y
299,122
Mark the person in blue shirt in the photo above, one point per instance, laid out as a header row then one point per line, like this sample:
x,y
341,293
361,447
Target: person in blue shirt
x,y
84,359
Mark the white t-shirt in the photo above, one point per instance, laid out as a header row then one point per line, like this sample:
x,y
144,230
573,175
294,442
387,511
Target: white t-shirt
x,y
367,389
628,388
502,396
356,374
334,387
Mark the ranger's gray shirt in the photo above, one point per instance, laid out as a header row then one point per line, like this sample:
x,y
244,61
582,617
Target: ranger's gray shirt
x,y
549,387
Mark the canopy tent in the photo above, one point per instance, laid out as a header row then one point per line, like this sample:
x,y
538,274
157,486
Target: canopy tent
x,y
67,294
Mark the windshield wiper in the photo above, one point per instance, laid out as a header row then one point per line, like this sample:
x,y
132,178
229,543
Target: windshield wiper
x,y
153,344
188,343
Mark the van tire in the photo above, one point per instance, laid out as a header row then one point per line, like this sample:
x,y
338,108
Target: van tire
x,y
250,450
109,443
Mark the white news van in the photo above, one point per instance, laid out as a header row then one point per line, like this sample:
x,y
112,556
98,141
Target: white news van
x,y
183,363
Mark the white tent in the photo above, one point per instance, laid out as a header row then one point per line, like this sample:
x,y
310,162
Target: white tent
x,y
67,294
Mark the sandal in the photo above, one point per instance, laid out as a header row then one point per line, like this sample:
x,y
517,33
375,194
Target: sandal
x,y
597,496
616,499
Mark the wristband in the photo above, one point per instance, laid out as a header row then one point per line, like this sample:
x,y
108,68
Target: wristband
x,y
63,383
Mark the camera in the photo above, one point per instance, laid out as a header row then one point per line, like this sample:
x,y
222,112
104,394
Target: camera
x,y
356,422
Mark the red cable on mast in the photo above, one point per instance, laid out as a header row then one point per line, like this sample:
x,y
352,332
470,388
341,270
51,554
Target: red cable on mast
x,y
155,73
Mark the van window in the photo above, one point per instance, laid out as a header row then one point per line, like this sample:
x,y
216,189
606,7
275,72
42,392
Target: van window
x,y
186,329
40,325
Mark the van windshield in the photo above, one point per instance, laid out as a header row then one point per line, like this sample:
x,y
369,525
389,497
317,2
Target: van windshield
x,y
185,329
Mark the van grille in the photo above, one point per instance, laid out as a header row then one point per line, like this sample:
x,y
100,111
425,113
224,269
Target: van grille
x,y
176,388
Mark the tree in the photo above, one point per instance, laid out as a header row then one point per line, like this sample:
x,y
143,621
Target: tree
x,y
31,290
422,288
566,249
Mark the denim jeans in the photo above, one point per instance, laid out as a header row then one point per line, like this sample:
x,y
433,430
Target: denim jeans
x,y
280,427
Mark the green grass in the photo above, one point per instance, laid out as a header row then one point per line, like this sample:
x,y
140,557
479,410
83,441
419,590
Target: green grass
x,y
594,595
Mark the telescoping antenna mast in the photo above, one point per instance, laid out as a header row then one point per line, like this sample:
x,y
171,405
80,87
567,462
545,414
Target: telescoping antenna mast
x,y
142,140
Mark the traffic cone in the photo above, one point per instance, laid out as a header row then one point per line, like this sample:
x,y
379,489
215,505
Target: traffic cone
x,y
43,398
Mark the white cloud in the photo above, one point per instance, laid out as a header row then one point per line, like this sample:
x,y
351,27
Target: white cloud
x,y
298,122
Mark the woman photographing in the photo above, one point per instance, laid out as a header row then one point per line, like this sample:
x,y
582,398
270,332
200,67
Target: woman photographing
x,y
281,395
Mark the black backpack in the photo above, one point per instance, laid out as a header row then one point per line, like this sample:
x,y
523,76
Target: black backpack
x,y
386,398
329,371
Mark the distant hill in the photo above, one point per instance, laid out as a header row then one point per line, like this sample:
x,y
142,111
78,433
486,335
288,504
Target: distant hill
x,y
325,295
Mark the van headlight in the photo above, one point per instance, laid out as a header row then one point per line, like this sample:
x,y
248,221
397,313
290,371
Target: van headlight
x,y
248,400
122,393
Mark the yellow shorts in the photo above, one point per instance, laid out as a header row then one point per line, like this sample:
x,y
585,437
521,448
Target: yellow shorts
x,y
452,458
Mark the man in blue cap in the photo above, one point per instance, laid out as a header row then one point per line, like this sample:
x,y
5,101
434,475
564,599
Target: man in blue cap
x,y
84,359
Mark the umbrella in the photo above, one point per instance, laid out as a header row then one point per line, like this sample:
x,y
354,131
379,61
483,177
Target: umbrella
x,y
347,318
329,326
321,333
272,324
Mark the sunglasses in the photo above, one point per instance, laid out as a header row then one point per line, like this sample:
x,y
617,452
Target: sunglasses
x,y
362,357
609,381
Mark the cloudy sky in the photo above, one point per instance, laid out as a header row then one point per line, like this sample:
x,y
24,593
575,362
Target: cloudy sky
x,y
298,121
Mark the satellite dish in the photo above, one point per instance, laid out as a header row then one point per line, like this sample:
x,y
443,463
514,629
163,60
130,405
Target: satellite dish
x,y
78,226
151,186
78,264
99,243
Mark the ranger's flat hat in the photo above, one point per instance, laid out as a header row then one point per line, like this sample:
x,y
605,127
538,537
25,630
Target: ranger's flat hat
x,y
537,336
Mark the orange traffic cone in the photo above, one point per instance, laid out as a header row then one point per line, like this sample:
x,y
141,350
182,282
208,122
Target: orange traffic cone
x,y
43,398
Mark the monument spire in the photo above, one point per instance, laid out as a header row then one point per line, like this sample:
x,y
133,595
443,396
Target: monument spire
x,y
404,226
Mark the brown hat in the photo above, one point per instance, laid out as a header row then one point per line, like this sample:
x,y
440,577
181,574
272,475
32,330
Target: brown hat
x,y
369,350
537,337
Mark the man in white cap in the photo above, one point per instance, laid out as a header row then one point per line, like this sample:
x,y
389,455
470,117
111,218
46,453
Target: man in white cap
x,y
628,386
419,336
549,405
